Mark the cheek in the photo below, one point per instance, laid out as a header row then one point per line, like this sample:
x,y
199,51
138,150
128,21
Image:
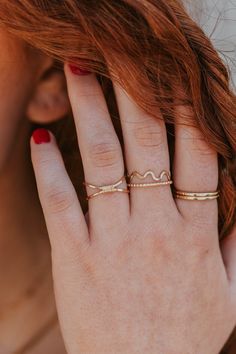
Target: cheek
x,y
16,87
20,70
15,77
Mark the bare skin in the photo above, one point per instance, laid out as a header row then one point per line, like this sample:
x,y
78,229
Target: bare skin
x,y
26,297
136,279
87,266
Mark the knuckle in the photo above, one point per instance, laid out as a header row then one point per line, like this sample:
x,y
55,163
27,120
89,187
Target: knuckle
x,y
164,229
58,200
149,135
104,154
203,155
161,238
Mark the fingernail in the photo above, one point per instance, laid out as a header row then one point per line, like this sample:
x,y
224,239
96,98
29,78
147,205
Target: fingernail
x,y
41,136
78,71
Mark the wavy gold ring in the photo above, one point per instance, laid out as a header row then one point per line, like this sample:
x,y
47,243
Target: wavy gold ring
x,y
163,179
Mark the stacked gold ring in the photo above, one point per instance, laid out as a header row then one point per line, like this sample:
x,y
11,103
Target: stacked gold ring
x,y
196,196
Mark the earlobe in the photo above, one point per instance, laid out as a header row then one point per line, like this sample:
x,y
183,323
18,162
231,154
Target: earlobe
x,y
50,100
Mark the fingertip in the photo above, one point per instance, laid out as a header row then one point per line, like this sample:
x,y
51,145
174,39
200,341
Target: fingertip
x,y
75,69
41,136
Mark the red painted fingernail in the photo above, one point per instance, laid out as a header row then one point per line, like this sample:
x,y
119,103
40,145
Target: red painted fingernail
x,y
41,135
78,71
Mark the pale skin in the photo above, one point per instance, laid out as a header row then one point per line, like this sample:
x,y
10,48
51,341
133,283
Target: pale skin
x,y
145,273
137,279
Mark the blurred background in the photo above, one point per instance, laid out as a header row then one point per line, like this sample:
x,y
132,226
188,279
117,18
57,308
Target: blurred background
x,y
218,20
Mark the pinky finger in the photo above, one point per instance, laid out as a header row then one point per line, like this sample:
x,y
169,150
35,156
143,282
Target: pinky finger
x,y
63,214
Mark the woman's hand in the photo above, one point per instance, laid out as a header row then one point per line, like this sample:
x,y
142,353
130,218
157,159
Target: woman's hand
x,y
145,273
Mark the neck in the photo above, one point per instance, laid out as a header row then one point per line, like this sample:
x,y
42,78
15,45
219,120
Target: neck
x,y
24,246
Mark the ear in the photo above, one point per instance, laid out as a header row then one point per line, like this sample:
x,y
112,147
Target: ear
x,y
50,100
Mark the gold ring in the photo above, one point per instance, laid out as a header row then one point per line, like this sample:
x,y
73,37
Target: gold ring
x,y
163,179
109,188
196,196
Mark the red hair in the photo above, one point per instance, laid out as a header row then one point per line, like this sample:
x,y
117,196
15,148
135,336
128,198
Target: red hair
x,y
155,51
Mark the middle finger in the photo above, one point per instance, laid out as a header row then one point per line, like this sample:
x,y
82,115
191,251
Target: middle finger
x,y
146,148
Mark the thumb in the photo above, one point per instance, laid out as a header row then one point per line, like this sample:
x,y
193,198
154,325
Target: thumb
x,y
228,250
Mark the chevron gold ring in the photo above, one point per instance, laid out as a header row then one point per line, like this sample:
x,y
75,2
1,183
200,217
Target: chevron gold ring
x,y
110,188
163,179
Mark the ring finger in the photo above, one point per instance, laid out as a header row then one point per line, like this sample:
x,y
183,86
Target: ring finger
x,y
195,168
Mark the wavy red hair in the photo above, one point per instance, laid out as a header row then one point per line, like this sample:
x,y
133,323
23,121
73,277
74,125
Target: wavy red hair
x,y
156,52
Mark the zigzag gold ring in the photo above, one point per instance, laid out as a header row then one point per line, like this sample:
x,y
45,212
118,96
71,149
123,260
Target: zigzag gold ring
x,y
163,179
110,188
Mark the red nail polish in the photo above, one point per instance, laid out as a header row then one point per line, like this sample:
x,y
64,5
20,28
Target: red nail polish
x,y
41,135
78,71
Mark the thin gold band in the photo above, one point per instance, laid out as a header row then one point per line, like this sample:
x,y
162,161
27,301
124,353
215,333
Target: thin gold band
x,y
154,184
196,195
203,194
196,198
